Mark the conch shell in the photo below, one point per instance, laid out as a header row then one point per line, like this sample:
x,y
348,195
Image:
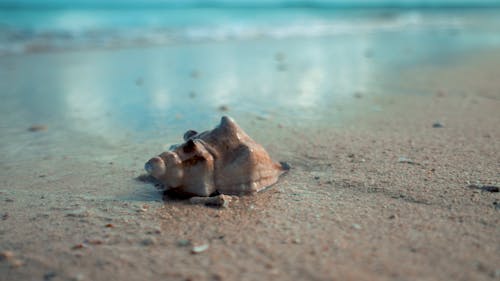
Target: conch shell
x,y
224,160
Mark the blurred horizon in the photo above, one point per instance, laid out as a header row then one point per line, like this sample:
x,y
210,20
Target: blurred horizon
x,y
265,4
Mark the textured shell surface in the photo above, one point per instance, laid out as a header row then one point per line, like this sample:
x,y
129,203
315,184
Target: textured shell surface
x,y
223,160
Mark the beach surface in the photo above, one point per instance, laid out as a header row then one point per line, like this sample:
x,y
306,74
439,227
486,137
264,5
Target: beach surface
x,y
393,166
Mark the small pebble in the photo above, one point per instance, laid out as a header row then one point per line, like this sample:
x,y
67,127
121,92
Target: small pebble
x,y
437,124
221,201
356,226
78,246
38,128
285,165
6,255
488,188
81,213
223,108
109,225
49,275
94,242
199,249
148,242
497,205
406,160
183,243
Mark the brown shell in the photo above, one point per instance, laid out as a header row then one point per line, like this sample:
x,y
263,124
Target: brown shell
x,y
224,160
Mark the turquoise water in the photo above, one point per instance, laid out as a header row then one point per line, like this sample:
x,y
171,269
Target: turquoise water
x,y
35,30
136,74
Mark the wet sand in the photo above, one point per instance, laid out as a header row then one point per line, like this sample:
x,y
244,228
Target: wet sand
x,y
382,195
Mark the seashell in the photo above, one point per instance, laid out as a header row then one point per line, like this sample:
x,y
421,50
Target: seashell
x,y
224,160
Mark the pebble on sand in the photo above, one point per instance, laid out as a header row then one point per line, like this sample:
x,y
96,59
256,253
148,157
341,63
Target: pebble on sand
x,y
9,257
183,243
406,160
488,188
148,241
199,248
38,128
437,124
6,255
356,226
221,201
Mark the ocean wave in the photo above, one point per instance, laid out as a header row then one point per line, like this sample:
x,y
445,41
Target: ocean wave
x,y
25,39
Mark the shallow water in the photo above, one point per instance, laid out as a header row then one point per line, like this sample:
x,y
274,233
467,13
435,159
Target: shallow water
x,y
129,96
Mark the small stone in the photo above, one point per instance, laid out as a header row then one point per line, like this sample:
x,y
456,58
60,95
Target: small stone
x,y
199,248
109,225
296,241
38,128
221,201
78,246
356,226
437,124
183,243
497,205
488,188
285,165
81,213
148,241
406,160
6,255
391,217
94,242
223,108
49,275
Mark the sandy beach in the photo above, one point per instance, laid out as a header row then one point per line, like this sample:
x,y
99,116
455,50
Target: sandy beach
x,y
395,180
